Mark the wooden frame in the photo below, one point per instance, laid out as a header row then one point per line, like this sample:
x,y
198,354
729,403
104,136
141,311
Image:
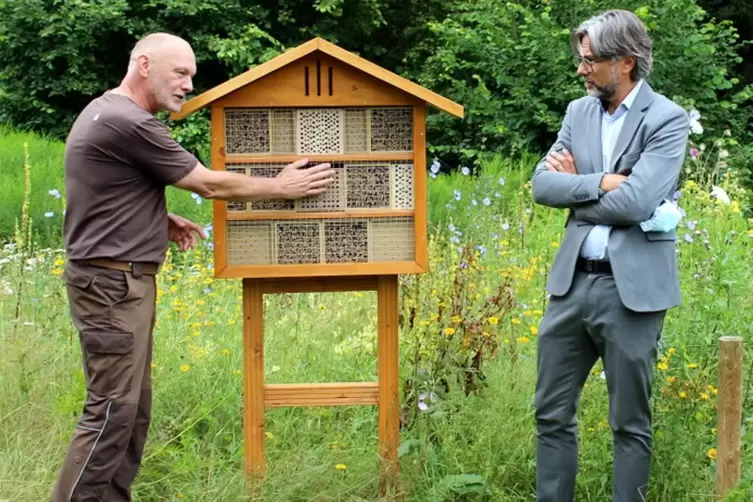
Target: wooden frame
x,y
320,75
259,396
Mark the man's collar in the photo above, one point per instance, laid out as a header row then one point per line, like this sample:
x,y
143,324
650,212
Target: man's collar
x,y
628,101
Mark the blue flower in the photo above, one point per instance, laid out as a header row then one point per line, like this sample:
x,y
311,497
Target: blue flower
x,y
486,201
688,238
481,249
454,240
196,197
473,201
457,194
55,193
451,227
207,291
502,181
465,171
505,226
435,167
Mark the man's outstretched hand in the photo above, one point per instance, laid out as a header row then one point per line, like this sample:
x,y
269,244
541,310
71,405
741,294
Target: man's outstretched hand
x,y
561,161
296,182
183,232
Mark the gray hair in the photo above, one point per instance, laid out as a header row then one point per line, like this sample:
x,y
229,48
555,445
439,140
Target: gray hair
x,y
617,33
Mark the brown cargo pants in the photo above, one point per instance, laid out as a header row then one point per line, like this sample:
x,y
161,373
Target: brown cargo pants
x,y
114,312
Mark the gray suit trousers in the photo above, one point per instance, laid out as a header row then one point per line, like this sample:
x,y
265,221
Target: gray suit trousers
x,y
590,322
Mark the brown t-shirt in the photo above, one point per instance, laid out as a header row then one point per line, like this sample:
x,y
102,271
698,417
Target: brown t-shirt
x,y
118,160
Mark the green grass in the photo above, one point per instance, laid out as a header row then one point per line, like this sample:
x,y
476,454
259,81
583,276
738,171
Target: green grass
x,y
467,447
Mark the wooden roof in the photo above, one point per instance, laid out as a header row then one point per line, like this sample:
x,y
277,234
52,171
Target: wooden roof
x,y
332,50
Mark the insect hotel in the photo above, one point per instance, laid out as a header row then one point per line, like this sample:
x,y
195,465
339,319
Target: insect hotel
x,y
326,104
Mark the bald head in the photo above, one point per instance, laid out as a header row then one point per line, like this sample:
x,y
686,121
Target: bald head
x,y
157,46
160,70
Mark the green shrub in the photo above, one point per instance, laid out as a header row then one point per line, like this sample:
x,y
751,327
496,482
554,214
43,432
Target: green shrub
x,y
510,65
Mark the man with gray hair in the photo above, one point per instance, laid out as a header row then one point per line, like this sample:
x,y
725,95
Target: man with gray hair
x,y
614,167
119,159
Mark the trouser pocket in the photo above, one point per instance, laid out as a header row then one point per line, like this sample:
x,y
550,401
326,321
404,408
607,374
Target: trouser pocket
x,y
108,361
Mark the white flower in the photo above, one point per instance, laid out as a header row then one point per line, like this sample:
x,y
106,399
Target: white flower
x,y
720,194
723,154
49,214
423,398
55,193
695,125
465,171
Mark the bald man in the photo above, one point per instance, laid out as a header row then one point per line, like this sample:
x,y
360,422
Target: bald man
x,y
119,159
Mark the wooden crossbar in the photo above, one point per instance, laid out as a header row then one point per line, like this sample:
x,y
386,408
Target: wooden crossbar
x,y
321,394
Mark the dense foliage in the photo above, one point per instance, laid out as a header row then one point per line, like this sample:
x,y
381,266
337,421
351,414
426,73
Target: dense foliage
x,y
508,63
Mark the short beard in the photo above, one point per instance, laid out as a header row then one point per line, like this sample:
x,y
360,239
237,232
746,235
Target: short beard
x,y
603,92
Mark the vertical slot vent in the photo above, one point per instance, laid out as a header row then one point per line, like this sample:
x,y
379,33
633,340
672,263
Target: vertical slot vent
x,y
330,80
306,80
318,77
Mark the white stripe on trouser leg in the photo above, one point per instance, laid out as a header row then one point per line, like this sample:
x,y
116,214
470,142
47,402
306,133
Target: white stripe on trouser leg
x,y
83,468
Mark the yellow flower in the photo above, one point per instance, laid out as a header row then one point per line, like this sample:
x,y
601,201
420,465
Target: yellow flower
x,y
516,321
671,351
449,331
57,272
692,366
704,396
534,330
683,394
711,453
341,467
184,368
523,339
59,262
269,435
226,352
154,365
173,288
555,244
456,319
425,323
493,320
671,379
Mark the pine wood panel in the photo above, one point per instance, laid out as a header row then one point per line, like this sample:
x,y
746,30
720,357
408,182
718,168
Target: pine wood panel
x,y
292,215
288,87
316,159
388,364
419,186
219,229
321,394
329,269
253,376
260,72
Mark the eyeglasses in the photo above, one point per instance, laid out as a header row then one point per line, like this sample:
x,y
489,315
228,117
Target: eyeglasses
x,y
589,63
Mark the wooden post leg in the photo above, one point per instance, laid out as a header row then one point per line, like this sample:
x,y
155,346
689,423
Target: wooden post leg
x,y
253,377
729,411
387,363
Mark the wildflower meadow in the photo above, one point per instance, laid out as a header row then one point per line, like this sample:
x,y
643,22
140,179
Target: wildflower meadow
x,y
468,334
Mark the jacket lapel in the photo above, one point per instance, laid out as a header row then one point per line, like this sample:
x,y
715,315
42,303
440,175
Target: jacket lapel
x,y
594,134
633,120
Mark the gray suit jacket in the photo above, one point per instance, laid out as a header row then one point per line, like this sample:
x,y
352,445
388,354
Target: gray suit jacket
x,y
650,150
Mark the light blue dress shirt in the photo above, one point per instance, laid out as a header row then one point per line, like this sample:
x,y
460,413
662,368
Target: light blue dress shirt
x,y
595,245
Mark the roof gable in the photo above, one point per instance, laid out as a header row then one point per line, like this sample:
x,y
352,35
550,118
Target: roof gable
x,y
303,50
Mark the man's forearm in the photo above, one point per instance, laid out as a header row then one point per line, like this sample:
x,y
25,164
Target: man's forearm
x,y
241,188
564,190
